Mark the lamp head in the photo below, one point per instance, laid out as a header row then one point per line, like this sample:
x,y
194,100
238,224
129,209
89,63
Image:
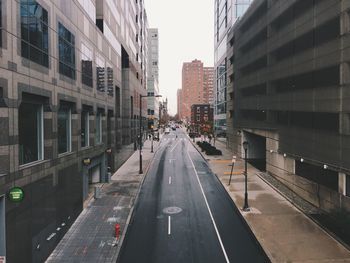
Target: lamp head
x,y
245,145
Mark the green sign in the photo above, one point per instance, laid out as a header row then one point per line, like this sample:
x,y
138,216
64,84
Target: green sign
x,y
16,194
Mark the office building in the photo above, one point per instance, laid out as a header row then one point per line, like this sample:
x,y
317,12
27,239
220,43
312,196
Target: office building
x,y
289,95
153,78
226,13
69,73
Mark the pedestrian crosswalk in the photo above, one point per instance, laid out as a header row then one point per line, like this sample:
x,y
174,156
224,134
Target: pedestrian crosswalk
x,y
173,139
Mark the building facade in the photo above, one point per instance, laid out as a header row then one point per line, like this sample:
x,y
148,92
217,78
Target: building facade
x,y
197,85
226,13
289,95
208,85
153,78
202,114
179,103
69,73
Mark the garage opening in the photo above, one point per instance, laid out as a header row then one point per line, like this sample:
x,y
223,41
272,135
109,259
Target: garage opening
x,y
95,175
256,150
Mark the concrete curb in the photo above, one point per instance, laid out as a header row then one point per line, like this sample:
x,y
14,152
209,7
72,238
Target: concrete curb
x,y
324,229
131,212
241,217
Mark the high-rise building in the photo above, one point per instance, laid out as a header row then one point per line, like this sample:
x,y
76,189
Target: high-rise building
x,y
152,78
197,84
70,73
226,13
208,85
289,90
179,103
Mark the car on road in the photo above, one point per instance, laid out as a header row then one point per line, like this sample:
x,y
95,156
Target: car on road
x,y
156,136
167,130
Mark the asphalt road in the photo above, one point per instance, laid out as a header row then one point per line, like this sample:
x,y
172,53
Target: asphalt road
x,y
183,213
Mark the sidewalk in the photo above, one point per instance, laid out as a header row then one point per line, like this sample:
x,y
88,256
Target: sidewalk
x,y
285,233
92,236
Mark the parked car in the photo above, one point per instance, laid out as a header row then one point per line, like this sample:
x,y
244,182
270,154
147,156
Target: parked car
x,y
156,136
167,130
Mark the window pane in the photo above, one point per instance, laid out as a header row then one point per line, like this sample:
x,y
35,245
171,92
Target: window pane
x,y
110,81
34,33
63,130
98,128
85,129
0,23
66,49
86,69
100,75
30,133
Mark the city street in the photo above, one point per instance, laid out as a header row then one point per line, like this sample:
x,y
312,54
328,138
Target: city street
x,y
183,213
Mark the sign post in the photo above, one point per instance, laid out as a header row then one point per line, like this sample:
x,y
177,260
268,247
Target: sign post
x,y
232,165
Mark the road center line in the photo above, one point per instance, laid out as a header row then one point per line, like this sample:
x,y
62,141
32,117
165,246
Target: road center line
x,y
169,225
169,179
174,146
210,213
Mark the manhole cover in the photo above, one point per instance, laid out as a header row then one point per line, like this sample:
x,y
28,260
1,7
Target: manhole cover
x,y
172,210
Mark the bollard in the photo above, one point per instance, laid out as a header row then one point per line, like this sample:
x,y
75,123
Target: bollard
x,y
97,192
117,231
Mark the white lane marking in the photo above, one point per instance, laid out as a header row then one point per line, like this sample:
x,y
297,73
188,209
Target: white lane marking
x,y
175,146
169,179
169,225
210,213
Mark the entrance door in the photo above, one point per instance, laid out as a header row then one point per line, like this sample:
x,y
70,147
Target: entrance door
x,y
2,227
95,174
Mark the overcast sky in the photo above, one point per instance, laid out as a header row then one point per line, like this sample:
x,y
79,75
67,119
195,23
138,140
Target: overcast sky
x,y
186,30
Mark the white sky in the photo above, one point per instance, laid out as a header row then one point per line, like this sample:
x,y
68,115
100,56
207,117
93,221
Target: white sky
x,y
186,32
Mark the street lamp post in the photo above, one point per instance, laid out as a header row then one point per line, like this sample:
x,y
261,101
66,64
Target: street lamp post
x,y
246,206
140,130
152,144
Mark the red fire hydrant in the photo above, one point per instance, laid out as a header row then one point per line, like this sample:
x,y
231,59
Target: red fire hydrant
x,y
117,231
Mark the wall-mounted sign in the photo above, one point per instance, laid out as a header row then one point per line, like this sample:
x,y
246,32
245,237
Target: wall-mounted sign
x,y
86,161
16,194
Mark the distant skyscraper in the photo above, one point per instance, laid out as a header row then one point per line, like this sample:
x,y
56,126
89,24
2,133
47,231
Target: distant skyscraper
x,y
227,12
197,85
152,78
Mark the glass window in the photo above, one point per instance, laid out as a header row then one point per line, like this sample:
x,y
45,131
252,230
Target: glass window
x,y
34,32
0,23
66,50
240,9
31,139
85,129
110,81
64,129
98,135
86,65
347,190
100,74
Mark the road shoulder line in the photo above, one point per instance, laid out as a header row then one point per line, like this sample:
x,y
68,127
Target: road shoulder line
x,y
209,210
